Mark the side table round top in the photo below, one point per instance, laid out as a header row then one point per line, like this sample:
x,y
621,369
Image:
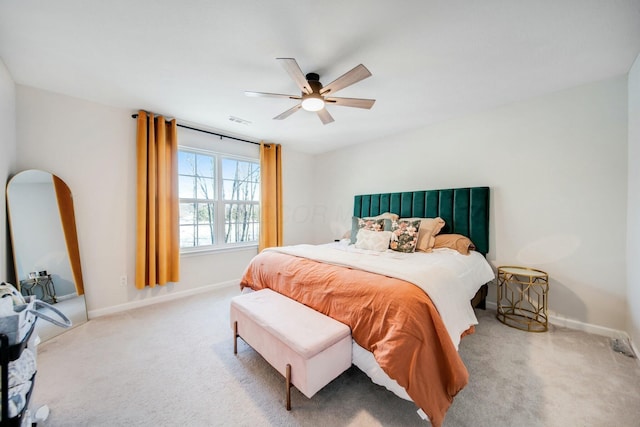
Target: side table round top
x,y
522,271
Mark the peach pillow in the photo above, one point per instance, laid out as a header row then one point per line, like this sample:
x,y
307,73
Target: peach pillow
x,y
454,241
386,215
429,227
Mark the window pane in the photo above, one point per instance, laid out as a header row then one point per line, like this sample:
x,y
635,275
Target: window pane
x,y
205,235
186,163
205,188
241,222
205,165
206,224
196,175
240,180
197,225
255,191
187,225
187,236
229,168
228,188
205,213
186,187
187,213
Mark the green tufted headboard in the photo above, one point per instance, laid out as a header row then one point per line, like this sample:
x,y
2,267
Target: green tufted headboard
x,y
464,210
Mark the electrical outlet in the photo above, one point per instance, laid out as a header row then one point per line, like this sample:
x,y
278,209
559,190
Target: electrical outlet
x,y
123,281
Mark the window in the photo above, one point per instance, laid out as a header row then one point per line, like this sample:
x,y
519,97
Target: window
x,y
241,195
219,199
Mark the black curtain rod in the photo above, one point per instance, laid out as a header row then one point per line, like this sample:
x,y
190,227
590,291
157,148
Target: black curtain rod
x,y
135,116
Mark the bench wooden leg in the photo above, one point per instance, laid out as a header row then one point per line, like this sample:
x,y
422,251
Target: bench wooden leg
x,y
288,387
235,337
288,371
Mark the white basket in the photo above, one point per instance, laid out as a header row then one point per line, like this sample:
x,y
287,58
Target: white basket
x,y
16,326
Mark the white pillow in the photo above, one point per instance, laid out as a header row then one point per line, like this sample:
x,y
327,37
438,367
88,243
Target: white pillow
x,y
373,240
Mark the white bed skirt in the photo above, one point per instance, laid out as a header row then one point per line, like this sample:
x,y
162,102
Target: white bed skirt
x,y
365,361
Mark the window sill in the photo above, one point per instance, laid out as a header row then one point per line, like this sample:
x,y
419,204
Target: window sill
x,y
212,250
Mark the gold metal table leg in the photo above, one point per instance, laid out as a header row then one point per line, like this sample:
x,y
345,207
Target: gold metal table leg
x,y
235,337
288,387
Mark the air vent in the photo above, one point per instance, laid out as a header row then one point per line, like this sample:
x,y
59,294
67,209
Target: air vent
x,y
622,346
239,120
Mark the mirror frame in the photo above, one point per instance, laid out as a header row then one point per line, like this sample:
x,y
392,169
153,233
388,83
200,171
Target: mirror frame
x,y
66,216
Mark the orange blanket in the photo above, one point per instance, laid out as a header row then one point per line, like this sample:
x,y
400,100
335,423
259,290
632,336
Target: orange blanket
x,y
393,319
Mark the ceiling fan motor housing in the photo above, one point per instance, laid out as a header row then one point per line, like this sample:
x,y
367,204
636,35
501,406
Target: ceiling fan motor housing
x,y
314,83
313,77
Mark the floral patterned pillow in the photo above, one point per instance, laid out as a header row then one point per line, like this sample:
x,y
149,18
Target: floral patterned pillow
x,y
404,235
366,223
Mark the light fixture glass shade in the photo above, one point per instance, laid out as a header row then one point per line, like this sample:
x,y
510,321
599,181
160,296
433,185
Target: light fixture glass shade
x,y
313,103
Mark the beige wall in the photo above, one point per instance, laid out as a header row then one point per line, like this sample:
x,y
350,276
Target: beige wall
x,y
633,215
557,168
7,162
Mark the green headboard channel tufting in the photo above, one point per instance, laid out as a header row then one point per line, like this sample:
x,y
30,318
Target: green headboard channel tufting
x,y
464,210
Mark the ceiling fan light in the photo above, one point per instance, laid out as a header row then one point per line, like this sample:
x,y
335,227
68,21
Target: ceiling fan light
x,y
313,103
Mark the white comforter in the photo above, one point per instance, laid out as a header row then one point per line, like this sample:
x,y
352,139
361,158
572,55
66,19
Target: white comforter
x,y
448,277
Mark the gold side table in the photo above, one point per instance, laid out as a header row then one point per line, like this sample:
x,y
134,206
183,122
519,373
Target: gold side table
x,y
522,298
40,286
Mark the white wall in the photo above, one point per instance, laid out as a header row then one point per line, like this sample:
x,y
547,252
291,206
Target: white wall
x,y
633,213
299,201
557,168
7,162
92,148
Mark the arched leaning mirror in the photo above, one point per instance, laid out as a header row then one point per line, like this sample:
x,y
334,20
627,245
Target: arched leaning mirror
x,y
45,245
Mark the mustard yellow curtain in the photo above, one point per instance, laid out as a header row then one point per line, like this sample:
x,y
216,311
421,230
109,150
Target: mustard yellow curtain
x,y
270,196
157,233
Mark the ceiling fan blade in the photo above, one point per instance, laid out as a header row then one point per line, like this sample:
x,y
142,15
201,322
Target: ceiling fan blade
x,y
325,116
358,73
271,95
352,102
292,67
287,113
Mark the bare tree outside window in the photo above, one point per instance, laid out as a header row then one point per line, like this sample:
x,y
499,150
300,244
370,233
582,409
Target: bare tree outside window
x,y
219,199
241,183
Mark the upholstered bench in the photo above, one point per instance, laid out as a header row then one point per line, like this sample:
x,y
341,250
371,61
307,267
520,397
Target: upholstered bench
x,y
307,347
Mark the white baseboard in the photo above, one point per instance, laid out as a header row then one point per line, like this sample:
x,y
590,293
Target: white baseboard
x,y
555,320
66,297
92,314
580,326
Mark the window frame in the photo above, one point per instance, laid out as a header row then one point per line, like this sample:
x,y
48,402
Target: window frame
x,y
219,203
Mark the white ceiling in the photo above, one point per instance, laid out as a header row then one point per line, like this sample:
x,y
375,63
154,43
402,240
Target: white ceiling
x,y
431,60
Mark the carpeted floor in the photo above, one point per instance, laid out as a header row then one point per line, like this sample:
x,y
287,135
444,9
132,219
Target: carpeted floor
x,y
172,364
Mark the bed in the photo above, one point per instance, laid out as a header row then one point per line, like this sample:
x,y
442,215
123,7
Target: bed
x,y
407,311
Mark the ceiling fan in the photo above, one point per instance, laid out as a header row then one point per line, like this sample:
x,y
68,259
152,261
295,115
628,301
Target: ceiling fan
x,y
314,96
